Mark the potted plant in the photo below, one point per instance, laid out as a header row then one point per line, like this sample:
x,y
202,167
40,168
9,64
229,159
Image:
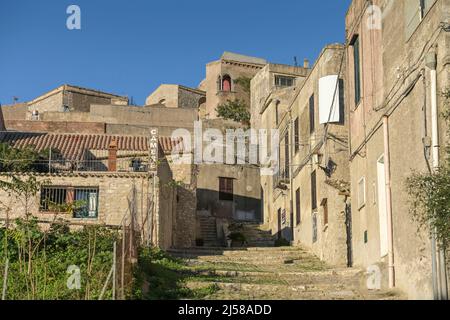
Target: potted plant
x,y
237,239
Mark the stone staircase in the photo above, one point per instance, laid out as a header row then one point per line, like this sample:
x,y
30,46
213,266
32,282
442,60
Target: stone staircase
x,y
275,274
256,235
208,230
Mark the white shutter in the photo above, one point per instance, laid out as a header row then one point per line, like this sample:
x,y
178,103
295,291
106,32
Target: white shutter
x,y
92,204
329,108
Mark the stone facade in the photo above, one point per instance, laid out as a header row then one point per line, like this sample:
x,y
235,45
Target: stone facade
x,y
70,99
289,208
264,86
117,194
394,106
226,70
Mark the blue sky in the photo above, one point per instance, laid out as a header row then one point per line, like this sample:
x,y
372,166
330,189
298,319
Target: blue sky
x,y
130,47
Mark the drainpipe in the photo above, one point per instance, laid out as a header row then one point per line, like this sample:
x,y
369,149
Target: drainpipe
x,y
291,171
431,63
387,172
427,144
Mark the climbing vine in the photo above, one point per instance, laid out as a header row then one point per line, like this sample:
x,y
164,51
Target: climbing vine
x,y
430,192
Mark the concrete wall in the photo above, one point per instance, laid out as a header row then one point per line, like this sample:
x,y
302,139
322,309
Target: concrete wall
x,y
55,126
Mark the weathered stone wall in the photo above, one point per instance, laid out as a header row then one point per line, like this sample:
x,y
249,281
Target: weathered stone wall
x,y
113,195
55,126
15,112
247,190
52,103
263,87
280,200
175,96
389,55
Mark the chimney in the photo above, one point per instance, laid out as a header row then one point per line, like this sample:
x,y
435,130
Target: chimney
x,y
112,155
306,64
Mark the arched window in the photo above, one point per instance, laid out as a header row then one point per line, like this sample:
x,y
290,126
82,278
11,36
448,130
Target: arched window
x,y
226,83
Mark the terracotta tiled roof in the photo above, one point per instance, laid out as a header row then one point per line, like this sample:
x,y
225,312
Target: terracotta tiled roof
x,y
72,146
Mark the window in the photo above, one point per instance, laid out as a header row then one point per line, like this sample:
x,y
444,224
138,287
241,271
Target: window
x,y
325,211
226,83
282,81
356,69
84,200
361,193
298,207
297,135
312,118
313,191
286,155
226,189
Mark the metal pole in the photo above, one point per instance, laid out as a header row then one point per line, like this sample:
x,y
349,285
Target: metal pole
x,y
123,261
114,268
5,279
50,160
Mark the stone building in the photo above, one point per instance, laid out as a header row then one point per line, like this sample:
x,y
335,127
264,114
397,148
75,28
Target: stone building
x,y
306,201
271,80
398,63
220,82
69,98
177,96
106,180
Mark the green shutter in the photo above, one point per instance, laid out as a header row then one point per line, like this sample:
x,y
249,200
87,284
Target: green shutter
x,y
357,66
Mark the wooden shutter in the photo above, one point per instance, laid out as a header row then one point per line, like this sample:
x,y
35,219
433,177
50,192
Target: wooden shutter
x,y
313,191
298,207
297,135
226,189
357,70
312,119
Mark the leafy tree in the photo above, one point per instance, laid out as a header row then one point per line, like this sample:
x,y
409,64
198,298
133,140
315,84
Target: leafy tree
x,y
15,160
236,110
430,193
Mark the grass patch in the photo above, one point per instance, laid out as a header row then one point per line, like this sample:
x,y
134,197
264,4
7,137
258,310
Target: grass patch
x,y
159,276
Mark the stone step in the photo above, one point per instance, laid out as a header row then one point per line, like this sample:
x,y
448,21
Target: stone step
x,y
296,292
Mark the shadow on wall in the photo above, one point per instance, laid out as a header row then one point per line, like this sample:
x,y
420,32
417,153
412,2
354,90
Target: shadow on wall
x,y
241,208
2,120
